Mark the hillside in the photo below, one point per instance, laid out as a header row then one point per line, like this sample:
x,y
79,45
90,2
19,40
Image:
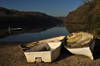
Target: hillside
x,y
61,18
25,19
85,18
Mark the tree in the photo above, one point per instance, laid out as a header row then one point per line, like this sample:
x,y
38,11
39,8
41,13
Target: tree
x,y
91,3
86,1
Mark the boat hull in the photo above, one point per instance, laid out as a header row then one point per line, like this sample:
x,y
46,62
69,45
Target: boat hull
x,y
44,56
81,51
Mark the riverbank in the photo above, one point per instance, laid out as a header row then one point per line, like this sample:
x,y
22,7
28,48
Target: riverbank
x,y
16,56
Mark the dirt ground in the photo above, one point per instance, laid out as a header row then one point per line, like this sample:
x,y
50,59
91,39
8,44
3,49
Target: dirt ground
x,y
12,55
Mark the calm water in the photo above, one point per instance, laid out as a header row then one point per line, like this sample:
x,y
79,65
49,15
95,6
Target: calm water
x,y
27,37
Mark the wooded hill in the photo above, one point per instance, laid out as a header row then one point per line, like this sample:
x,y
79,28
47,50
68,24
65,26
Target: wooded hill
x,y
85,18
25,19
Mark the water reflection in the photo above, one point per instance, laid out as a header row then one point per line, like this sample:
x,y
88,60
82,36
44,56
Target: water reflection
x,y
27,37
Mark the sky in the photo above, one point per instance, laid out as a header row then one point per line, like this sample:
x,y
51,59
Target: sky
x,y
50,7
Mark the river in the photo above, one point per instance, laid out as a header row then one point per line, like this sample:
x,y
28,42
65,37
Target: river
x,y
35,36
